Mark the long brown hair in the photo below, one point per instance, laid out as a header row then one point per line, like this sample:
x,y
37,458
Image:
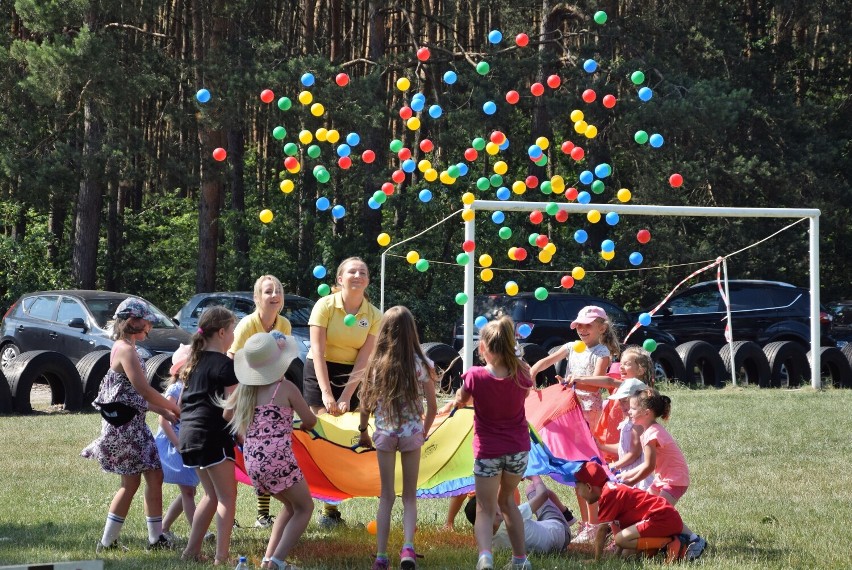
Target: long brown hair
x,y
499,339
390,375
651,399
211,322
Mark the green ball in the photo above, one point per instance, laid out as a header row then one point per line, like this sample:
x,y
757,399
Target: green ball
x,y
453,171
478,143
551,208
396,145
462,258
279,132
291,149
532,238
505,233
461,298
323,289
421,265
598,187
323,176
380,197
541,293
482,68
650,345
546,187
350,320
637,77
314,151
284,103
600,17
496,180
482,183
641,137
541,161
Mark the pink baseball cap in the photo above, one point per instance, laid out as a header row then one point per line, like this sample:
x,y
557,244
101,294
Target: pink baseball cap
x,y
179,359
588,315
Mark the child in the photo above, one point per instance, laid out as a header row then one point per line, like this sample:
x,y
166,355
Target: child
x,y
126,446
174,471
205,442
501,440
395,380
548,532
639,515
263,405
587,372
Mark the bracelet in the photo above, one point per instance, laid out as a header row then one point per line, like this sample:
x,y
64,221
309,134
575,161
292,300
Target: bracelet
x,y
362,429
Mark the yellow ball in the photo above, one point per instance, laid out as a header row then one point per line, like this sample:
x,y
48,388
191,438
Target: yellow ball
x,y
333,136
624,195
403,84
266,216
468,198
578,273
519,187
485,260
608,255
577,115
486,275
580,127
305,137
424,165
501,167
296,169
578,346
511,288
591,132
371,527
557,184
544,256
412,257
383,239
321,134
286,186
413,123
305,97
511,253
468,215
593,216
317,109
447,179
492,148
550,248
430,175
542,143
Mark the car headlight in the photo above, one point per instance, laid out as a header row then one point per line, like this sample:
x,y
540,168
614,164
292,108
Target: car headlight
x,y
143,353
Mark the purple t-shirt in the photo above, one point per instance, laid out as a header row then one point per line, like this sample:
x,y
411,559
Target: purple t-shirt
x,y
499,422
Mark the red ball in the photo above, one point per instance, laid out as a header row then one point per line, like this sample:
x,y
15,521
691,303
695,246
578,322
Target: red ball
x,y
470,154
520,254
561,216
536,217
571,194
388,188
567,147
531,181
577,153
589,95
267,95
341,79
497,137
608,101
468,245
675,180
405,112
541,241
643,236
512,97
344,162
290,162
426,145
423,54
404,153
219,154
567,281
537,89
554,81
522,40
368,156
398,176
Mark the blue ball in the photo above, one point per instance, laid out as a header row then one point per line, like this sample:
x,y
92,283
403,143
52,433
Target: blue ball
x,y
612,218
373,204
603,170
656,140
353,139
584,197
450,77
580,236
535,152
480,321
409,165
425,195
307,79
319,272
343,150
636,259
202,95
645,93
644,318
338,211
607,245
435,111
495,36
417,104
323,204
524,330
586,177
503,193
489,107
505,144
590,66
463,169
498,217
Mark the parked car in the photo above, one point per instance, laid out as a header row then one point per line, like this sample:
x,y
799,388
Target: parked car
x,y
75,323
841,326
761,311
297,310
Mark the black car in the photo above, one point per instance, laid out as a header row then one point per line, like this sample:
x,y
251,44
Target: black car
x,y
75,323
841,326
297,310
761,311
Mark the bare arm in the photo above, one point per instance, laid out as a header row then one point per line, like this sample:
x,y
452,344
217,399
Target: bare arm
x,y
461,399
431,402
355,378
128,361
299,405
600,540
649,463
633,453
168,427
541,494
598,379
318,341
547,362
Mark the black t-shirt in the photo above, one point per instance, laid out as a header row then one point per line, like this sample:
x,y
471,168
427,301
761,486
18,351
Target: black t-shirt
x,y
201,423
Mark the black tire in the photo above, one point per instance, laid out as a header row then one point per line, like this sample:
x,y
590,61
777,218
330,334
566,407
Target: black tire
x,y
157,370
788,363
847,352
8,353
93,368
702,363
750,361
296,373
561,366
448,364
834,368
55,369
532,354
668,365
6,403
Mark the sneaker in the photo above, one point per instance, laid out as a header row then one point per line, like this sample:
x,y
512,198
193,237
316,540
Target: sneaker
x,y
695,548
569,517
381,564
162,543
170,536
587,534
114,545
485,563
209,536
331,520
672,550
525,565
264,521
408,559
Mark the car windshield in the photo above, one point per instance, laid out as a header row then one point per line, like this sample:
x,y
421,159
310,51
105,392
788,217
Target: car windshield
x,y
103,309
298,311
493,306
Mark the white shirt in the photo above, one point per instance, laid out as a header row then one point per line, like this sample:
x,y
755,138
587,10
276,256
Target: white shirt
x,y
539,536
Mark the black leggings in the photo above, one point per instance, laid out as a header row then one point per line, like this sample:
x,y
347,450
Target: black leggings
x,y
338,375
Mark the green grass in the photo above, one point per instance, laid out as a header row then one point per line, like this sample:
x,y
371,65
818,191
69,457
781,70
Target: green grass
x,y
770,489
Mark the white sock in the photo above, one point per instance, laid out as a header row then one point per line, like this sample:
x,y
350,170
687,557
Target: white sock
x,y
112,529
155,528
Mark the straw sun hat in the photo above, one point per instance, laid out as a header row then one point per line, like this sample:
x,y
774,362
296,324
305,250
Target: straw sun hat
x,y
264,360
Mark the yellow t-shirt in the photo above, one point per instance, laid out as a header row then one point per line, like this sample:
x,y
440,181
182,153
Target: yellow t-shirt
x,y
251,325
343,343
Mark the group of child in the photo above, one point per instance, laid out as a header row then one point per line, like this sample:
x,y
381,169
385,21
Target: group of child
x,y
220,401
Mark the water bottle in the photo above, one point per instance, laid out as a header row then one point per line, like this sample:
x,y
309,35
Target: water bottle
x,y
242,564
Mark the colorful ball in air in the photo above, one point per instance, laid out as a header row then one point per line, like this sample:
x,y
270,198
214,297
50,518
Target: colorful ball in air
x,y
656,140
468,245
266,216
578,346
319,272
675,180
511,288
495,36
468,215
590,66
645,94
305,97
403,84
350,320
645,319
489,107
422,265
567,281
522,40
637,77
425,195
461,298
607,255
589,95
643,236
498,217
341,79
482,68
578,273
383,239
554,81
624,195
287,186
317,109
338,212
423,54
524,330
600,17
284,103
512,97
541,293
462,259
593,216
609,101
641,137
307,79
650,345
323,289
480,321
450,77
607,245
485,260
486,275
219,154
267,96
202,95
612,218
504,232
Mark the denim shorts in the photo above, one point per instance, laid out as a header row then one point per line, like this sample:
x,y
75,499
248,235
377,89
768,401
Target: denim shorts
x,y
514,463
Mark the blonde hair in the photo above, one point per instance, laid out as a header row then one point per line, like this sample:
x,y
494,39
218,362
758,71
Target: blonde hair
x,y
498,337
390,376
643,359
211,322
608,338
335,288
242,401
258,288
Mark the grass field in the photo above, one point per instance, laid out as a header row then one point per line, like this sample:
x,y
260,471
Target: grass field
x,y
770,489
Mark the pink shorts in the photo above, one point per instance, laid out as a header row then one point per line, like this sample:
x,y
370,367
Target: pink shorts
x,y
392,443
660,524
674,491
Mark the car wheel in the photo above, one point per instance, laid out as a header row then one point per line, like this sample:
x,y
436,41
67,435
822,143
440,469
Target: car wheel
x,y
561,366
157,371
8,353
296,373
788,363
702,363
93,368
847,352
448,364
668,365
53,368
750,363
834,368
532,354
6,403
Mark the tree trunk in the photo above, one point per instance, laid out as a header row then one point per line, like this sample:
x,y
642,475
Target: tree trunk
x,y
87,222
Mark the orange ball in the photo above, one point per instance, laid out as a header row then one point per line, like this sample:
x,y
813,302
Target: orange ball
x,y
371,527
